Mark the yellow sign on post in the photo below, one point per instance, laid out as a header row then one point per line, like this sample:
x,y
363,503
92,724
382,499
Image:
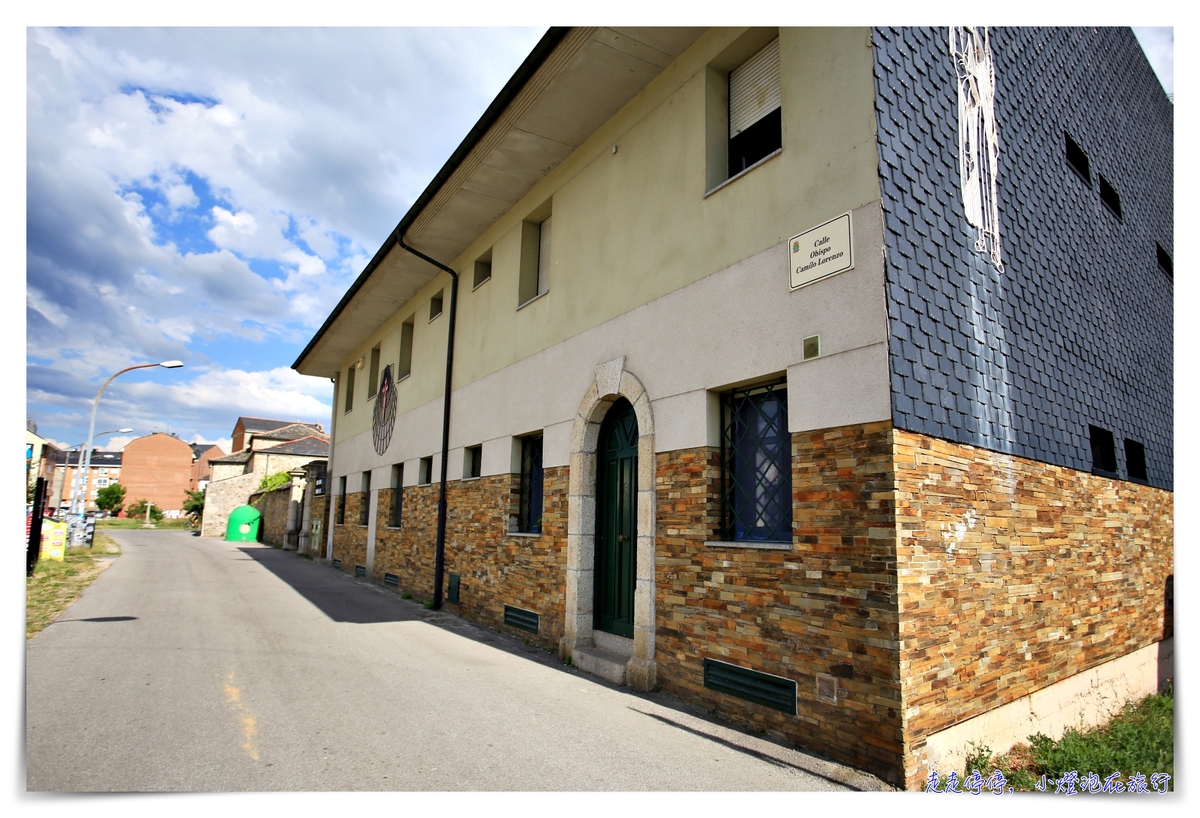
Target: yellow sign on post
x,y
54,540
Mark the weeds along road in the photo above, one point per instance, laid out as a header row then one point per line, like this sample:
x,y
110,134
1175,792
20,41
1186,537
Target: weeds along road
x,y
200,665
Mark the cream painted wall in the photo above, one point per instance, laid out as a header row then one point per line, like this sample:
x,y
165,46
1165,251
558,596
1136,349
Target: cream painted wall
x,y
634,226
684,347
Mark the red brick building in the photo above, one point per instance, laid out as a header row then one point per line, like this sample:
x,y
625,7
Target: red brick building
x,y
157,468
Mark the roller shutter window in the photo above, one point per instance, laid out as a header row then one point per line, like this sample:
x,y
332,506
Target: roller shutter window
x,y
755,125
543,275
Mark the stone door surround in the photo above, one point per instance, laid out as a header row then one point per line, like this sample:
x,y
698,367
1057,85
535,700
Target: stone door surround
x,y
612,381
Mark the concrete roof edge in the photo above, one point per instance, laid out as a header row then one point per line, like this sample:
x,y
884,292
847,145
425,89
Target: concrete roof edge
x,y
508,93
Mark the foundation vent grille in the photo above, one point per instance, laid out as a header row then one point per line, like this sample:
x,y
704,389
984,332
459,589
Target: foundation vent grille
x,y
525,620
360,570
392,580
337,563
751,685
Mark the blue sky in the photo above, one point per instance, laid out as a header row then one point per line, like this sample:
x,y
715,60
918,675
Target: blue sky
x,y
209,194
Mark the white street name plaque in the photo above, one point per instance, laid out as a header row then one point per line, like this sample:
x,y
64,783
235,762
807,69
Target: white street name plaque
x,y
821,252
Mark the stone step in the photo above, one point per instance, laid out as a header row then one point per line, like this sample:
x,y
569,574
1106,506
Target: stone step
x,y
603,663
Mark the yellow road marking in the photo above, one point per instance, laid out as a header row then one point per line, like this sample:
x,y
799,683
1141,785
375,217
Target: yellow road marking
x,y
249,725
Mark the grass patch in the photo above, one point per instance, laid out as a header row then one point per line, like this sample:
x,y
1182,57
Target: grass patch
x,y
126,522
1137,743
55,585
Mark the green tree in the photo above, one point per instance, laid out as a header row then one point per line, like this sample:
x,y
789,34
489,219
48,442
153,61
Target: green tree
x,y
275,481
193,504
137,510
110,498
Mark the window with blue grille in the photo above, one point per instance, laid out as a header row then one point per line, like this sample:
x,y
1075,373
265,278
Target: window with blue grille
x,y
529,519
756,452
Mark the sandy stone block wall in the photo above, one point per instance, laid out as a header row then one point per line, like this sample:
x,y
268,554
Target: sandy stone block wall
x,y
350,539
827,606
274,507
495,569
1016,575
222,497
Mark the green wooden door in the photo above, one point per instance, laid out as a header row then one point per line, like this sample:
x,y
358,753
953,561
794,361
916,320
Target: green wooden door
x,y
616,520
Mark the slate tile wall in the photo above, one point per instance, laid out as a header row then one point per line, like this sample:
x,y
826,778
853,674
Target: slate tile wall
x,y
1078,329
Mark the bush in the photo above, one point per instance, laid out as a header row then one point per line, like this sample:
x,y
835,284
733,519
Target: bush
x,y
137,510
275,481
111,497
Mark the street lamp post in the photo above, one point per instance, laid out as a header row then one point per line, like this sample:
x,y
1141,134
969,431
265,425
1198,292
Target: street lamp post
x,y
92,426
79,478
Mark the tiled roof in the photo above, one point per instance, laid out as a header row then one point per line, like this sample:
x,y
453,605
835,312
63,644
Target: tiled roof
x,y
237,457
311,445
292,431
99,458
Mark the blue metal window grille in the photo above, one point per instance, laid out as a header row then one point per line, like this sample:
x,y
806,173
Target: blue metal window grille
x,y
756,452
529,519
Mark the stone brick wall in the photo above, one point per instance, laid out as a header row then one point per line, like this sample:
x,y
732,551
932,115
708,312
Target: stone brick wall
x,y
1014,575
496,569
222,497
827,606
274,506
350,538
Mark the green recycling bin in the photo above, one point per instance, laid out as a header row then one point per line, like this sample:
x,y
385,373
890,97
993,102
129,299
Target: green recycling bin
x,y
245,523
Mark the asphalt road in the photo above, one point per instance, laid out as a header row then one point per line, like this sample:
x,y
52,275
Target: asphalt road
x,y
199,665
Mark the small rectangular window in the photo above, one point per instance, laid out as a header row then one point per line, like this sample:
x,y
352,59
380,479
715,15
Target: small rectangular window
x,y
404,365
397,494
1104,451
755,115
425,472
1108,195
1135,460
483,269
364,511
534,273
473,461
350,388
373,373
757,465
1078,160
318,473
529,513
435,305
341,501
1164,261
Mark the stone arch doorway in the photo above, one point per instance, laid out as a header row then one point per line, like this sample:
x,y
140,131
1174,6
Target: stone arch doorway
x,y
612,382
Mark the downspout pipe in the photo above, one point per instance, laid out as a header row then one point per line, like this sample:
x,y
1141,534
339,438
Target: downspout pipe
x,y
439,554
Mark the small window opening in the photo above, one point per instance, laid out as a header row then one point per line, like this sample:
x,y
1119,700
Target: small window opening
x,y
425,472
1104,451
341,502
1078,160
404,365
397,494
757,472
1108,195
483,269
529,512
350,388
1164,261
473,462
755,116
1135,460
373,373
435,305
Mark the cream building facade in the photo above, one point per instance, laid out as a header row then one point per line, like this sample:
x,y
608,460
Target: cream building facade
x,y
679,452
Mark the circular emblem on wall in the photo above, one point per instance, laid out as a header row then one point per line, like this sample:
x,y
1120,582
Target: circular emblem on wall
x,y
384,419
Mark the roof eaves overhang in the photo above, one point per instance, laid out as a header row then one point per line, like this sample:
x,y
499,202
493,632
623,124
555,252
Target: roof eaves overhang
x,y
573,81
